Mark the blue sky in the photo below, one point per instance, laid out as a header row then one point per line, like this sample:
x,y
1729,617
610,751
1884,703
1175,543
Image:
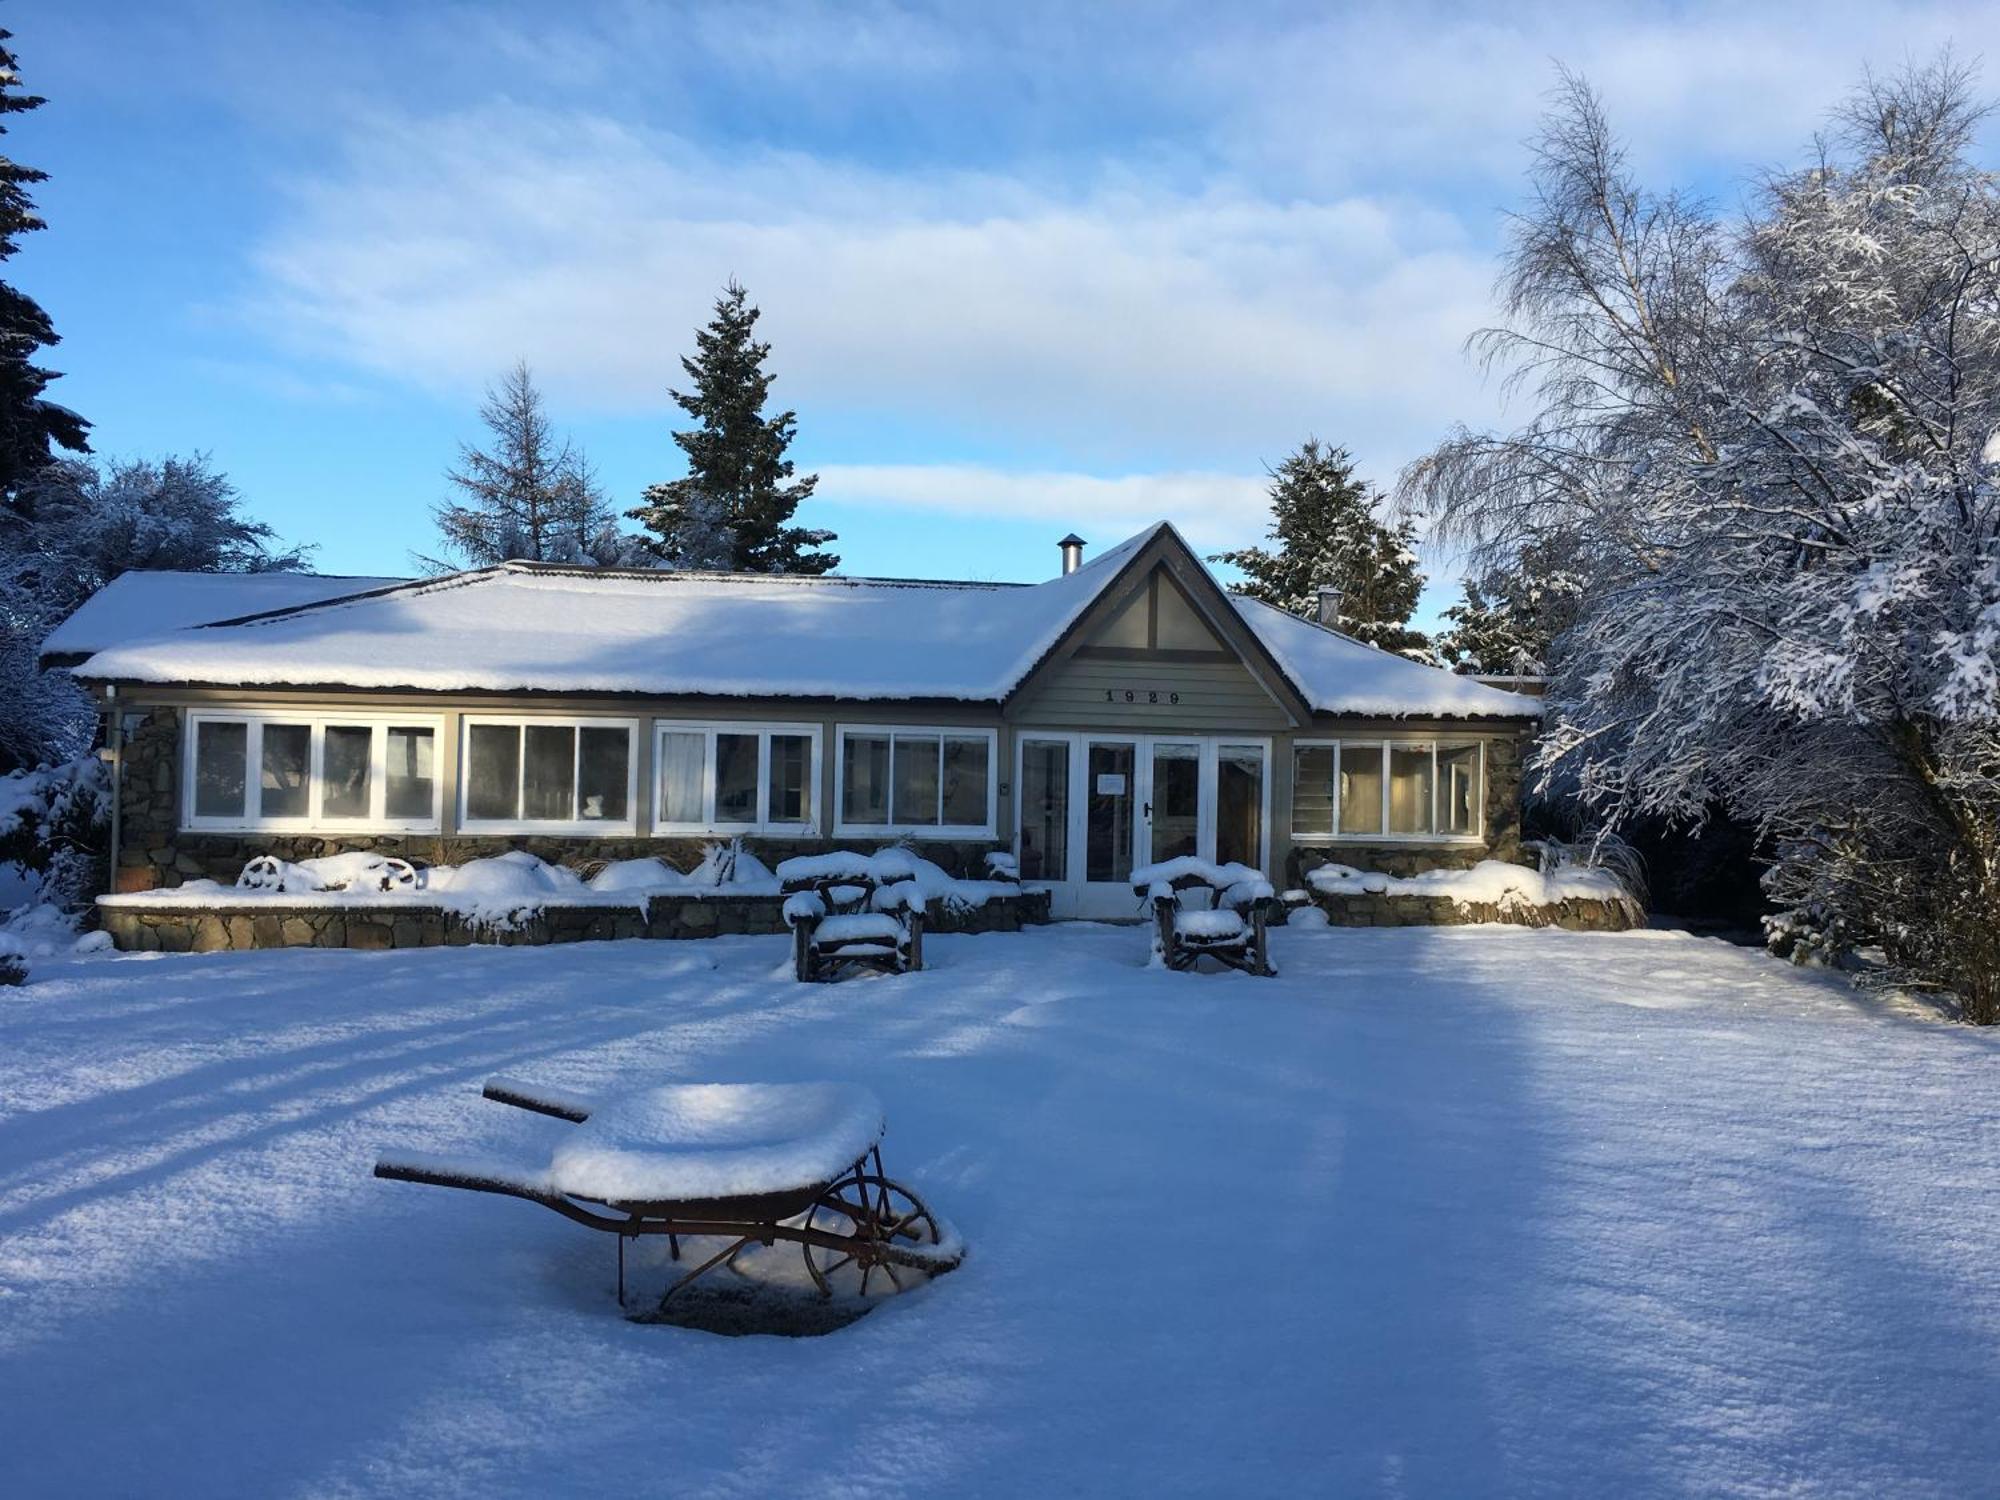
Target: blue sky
x,y
1025,267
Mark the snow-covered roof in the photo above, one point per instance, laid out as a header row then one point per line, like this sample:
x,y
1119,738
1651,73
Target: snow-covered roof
x,y
139,604
1339,675
529,627
576,630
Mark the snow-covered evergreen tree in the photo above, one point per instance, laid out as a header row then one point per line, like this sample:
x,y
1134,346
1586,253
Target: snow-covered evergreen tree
x,y
1326,533
530,494
1507,618
733,509
32,427
1778,447
84,523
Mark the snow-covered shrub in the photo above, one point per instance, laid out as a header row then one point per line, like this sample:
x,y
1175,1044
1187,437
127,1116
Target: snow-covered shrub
x,y
1808,935
1605,851
1771,446
52,825
730,864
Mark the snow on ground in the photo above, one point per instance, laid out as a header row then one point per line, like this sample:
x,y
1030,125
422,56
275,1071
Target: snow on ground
x,y
1438,1212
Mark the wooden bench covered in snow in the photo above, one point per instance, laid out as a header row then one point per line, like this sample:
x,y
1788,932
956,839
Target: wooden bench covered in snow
x,y
849,912
1202,910
729,1164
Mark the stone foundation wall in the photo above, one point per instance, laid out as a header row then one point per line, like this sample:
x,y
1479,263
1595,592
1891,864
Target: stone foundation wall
x,y
173,927
1577,914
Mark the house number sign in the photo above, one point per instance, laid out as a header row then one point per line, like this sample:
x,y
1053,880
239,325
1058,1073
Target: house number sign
x,y
1141,695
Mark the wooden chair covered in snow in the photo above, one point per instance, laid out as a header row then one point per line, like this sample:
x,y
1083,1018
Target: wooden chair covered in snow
x,y
1201,910
844,920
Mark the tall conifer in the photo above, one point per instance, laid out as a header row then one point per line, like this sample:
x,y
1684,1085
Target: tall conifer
x,y
733,509
1326,534
30,425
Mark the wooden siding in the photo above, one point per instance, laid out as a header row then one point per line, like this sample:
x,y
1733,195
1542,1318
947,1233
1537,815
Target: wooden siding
x,y
1164,696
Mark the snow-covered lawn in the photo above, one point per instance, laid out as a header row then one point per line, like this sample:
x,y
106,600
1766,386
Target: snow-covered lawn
x,y
1438,1212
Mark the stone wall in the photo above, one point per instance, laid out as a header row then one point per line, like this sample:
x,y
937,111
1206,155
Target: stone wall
x,y
1578,914
155,853
175,927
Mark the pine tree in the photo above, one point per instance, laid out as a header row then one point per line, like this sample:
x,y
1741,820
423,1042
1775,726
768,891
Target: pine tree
x,y
1509,616
30,426
733,509
1326,533
531,495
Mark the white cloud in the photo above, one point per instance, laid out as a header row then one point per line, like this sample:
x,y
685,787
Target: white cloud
x,y
1092,325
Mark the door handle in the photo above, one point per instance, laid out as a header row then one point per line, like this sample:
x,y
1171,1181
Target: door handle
x,y
1146,811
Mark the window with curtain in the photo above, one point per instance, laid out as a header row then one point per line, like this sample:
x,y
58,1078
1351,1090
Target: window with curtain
x,y
736,778
1360,788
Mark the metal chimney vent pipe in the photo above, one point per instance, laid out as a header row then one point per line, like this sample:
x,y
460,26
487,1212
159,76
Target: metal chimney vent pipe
x,y
1072,552
1329,605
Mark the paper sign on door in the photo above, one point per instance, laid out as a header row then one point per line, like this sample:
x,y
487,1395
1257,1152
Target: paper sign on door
x,y
1110,783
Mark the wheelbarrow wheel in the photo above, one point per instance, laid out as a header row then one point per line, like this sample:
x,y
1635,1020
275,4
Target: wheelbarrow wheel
x,y
871,1213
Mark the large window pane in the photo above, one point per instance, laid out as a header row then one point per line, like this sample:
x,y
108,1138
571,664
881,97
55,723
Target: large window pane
x,y
603,773
965,773
791,779
343,761
736,778
1360,788
1458,788
284,780
683,757
221,758
1109,774
1045,810
548,772
409,772
1239,805
1176,814
493,772
864,780
1409,789
916,800
1312,789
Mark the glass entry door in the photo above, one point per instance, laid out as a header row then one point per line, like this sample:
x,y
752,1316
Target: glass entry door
x,y
1044,848
1173,800
1093,807
1111,796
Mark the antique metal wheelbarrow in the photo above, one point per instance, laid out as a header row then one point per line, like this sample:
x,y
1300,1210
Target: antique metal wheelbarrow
x,y
746,1163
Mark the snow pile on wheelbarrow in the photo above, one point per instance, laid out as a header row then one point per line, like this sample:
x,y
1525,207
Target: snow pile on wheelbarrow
x,y
716,1140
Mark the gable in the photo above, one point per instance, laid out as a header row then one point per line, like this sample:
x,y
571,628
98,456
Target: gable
x,y
1157,620
1150,656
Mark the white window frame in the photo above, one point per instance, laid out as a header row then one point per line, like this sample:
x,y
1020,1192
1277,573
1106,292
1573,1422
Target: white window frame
x,y
576,827
315,720
1382,747
708,823
940,732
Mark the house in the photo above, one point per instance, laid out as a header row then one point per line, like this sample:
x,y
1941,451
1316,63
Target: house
x,y
1127,710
